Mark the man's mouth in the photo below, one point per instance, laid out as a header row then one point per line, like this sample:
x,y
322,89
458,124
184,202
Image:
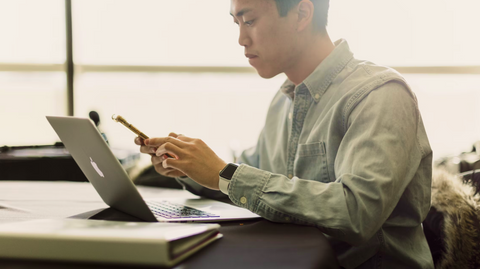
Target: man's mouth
x,y
251,56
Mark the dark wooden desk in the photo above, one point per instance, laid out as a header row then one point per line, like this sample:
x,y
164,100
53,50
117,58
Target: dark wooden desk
x,y
250,244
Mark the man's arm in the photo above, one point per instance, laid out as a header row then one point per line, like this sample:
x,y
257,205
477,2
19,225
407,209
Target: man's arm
x,y
156,146
377,159
375,163
179,176
249,157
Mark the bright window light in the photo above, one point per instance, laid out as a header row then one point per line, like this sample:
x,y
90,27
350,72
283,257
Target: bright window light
x,y
192,32
32,31
152,32
409,32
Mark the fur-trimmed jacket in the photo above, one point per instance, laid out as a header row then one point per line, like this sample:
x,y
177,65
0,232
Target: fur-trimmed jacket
x,y
455,220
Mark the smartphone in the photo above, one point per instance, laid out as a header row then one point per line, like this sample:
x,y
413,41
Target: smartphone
x,y
132,128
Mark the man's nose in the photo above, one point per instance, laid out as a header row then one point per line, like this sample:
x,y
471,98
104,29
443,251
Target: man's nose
x,y
243,39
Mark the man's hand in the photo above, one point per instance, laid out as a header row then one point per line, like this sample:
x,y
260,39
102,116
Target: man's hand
x,y
192,157
157,160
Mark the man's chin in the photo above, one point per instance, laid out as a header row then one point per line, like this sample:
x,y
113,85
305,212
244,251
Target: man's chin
x,y
266,74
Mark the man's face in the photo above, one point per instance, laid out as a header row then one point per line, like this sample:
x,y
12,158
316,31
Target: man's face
x,y
269,40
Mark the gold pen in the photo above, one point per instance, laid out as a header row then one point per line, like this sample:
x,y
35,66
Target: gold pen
x,y
132,128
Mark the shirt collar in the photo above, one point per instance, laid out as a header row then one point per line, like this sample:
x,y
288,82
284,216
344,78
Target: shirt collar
x,y
321,78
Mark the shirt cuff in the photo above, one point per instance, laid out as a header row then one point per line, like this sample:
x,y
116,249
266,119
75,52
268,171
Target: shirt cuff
x,y
246,186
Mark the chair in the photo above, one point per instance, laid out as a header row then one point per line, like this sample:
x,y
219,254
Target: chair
x,y
452,227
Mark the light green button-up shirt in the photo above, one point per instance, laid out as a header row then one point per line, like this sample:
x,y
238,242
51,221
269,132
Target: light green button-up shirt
x,y
348,154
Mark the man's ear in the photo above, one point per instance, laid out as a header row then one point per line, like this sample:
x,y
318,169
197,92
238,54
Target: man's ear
x,y
305,14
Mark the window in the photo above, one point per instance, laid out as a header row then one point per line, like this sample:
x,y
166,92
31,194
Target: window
x,y
177,66
152,32
32,81
409,32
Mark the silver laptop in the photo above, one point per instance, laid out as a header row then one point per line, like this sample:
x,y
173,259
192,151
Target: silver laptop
x,y
94,157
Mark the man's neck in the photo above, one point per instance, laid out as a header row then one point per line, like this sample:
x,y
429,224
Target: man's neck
x,y
314,53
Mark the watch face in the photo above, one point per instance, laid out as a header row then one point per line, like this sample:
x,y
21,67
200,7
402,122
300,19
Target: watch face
x,y
228,171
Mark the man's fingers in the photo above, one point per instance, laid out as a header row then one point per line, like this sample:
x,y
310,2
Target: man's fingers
x,y
158,141
157,160
144,149
148,150
172,163
185,138
138,141
169,148
169,172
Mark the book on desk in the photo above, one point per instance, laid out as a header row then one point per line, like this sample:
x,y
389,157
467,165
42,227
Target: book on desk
x,y
79,240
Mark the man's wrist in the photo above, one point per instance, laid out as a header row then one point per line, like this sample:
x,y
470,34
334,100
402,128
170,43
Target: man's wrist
x,y
225,177
223,185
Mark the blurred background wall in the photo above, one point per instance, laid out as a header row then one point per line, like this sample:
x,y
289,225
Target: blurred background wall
x,y
177,66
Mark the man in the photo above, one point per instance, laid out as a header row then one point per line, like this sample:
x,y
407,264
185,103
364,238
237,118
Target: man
x,y
343,148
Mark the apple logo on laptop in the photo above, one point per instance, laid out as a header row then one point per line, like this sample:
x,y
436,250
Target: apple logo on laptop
x,y
95,166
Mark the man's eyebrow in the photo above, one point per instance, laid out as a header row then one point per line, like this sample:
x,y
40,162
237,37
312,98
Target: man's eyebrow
x,y
241,12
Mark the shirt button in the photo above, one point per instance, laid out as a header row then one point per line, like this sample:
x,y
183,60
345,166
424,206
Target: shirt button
x,y
243,200
290,176
290,116
317,96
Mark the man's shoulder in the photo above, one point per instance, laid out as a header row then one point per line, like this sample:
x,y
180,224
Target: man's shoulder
x,y
366,70
360,77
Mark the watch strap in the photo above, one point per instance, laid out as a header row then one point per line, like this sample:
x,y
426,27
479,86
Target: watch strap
x,y
225,176
223,185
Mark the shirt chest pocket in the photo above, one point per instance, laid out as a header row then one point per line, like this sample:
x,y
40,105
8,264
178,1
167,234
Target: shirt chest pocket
x,y
311,162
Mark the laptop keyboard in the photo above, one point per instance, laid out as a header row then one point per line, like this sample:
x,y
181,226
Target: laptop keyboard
x,y
169,210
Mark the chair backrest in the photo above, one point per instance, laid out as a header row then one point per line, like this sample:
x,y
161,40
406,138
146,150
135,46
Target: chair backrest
x,y
452,226
472,178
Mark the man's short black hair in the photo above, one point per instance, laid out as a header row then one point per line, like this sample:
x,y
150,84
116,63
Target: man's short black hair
x,y
320,18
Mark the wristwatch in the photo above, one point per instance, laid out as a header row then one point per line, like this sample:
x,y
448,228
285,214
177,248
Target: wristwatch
x,y
226,176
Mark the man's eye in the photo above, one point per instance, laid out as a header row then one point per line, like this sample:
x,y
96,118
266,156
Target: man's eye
x,y
248,23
